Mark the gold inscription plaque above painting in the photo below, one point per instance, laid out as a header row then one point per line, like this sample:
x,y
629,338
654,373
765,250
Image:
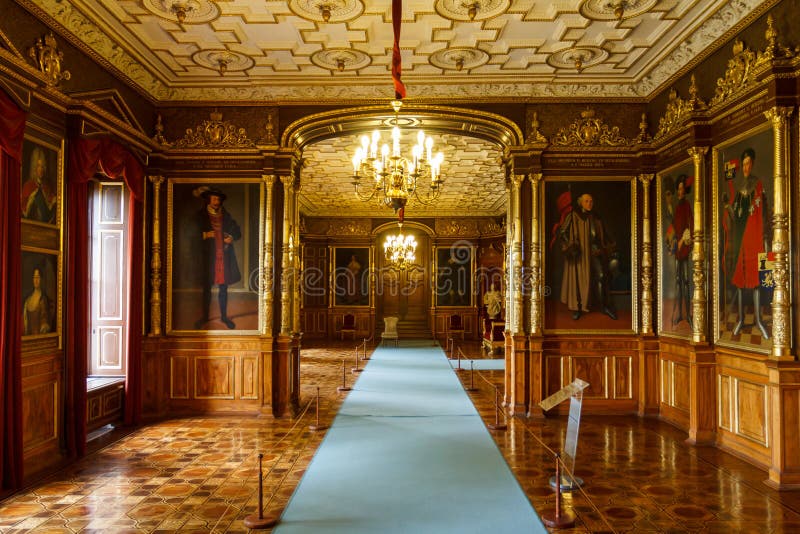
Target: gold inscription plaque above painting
x,y
589,260
214,243
743,202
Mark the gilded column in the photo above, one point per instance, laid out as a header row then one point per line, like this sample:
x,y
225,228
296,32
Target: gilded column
x,y
516,256
267,278
647,258
286,267
296,271
155,260
780,235
699,299
536,260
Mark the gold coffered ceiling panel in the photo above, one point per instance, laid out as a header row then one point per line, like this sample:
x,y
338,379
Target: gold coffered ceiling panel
x,y
473,174
286,52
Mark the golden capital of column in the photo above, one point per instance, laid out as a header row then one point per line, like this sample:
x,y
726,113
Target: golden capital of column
x,y
156,180
646,179
778,115
697,152
536,177
516,180
287,180
268,179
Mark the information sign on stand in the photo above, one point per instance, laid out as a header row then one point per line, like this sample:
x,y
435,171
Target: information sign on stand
x,y
573,392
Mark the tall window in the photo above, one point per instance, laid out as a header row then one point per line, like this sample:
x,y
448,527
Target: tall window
x,y
109,279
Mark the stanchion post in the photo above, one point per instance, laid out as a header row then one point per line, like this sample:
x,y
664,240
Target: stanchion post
x,y
458,368
365,358
497,425
356,369
471,377
258,520
317,426
344,386
557,518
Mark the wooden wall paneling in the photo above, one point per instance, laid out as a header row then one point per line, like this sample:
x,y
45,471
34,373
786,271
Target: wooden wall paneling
x,y
42,389
249,378
594,370
623,377
751,411
680,391
725,402
214,377
555,372
179,376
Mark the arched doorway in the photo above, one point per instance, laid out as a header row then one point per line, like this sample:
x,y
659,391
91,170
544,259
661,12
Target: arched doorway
x,y
404,293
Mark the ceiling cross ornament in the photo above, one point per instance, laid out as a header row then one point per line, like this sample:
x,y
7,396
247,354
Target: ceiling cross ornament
x,y
183,11
589,130
48,57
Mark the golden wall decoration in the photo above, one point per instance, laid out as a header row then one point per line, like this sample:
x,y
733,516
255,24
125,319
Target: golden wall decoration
x,y
738,75
589,130
215,133
774,50
48,57
456,227
678,110
349,227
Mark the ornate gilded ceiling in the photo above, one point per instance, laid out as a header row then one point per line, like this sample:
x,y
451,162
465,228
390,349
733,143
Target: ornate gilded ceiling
x,y
308,50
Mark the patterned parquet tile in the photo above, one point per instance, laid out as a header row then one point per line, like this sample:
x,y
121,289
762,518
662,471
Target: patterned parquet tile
x,y
199,474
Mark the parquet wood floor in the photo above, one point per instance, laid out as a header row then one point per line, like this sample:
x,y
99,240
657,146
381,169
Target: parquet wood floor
x,y
199,474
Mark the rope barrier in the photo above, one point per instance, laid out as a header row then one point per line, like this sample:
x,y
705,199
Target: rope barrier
x,y
570,475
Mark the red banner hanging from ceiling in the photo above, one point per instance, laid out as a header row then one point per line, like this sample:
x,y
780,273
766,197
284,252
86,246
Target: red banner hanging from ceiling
x,y
397,18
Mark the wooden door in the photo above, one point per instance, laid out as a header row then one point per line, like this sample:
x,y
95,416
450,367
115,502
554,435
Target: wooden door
x,y
403,292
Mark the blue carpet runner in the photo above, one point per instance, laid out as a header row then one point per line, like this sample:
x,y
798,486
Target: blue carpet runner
x,y
408,452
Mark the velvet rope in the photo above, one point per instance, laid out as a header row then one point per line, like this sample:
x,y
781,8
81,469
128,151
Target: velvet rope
x,y
12,128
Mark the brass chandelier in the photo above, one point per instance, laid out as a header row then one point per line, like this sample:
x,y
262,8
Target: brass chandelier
x,y
400,249
392,177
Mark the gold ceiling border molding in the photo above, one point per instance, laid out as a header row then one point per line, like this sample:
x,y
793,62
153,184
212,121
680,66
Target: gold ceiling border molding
x,y
215,133
588,130
709,37
678,110
730,20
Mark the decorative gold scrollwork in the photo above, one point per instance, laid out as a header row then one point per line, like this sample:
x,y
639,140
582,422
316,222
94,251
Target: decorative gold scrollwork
x,y
48,57
678,110
775,50
215,133
738,74
589,130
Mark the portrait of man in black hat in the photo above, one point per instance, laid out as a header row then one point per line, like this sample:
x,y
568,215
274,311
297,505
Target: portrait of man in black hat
x,y
218,231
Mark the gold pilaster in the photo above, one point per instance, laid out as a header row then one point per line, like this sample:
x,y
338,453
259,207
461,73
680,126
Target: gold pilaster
x,y
286,268
698,248
296,271
155,260
266,281
536,260
647,258
781,344
516,256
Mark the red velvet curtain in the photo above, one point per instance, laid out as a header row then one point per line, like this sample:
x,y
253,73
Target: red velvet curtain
x,y
87,157
12,128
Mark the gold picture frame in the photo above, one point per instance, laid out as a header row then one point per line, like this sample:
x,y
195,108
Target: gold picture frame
x,y
196,301
560,197
41,224
734,300
454,285
675,284
350,272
